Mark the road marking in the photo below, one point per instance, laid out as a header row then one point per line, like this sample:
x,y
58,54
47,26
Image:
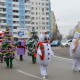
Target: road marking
x,y
30,75
62,58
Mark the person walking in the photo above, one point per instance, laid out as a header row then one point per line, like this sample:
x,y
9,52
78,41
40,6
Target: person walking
x,y
21,48
75,51
44,54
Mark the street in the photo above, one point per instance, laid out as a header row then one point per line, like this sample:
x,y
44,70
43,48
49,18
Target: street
x,y
59,69
61,51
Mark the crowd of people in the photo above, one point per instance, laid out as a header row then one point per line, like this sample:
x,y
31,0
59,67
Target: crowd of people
x,y
37,47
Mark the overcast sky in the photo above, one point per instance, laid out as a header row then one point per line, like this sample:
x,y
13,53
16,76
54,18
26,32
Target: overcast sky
x,y
67,13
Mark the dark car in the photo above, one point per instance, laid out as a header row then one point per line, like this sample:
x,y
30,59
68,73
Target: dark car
x,y
55,43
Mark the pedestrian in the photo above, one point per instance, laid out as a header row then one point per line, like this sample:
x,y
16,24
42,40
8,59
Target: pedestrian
x,y
75,51
44,54
21,48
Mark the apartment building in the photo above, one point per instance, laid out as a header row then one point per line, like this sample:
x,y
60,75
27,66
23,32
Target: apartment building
x,y
40,15
26,15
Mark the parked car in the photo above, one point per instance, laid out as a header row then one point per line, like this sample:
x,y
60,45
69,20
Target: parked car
x,y
65,43
55,43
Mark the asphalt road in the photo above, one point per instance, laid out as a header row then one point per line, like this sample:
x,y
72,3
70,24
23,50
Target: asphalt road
x,y
61,51
59,69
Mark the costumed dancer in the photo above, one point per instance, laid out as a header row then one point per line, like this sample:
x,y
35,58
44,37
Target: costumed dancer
x,y
44,54
8,48
75,51
21,48
32,47
1,40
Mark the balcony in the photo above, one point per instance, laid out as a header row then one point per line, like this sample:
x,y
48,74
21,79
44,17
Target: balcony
x,y
16,24
15,19
3,24
3,18
2,6
2,0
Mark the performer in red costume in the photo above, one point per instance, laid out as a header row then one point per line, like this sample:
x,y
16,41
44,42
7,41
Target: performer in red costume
x,y
44,54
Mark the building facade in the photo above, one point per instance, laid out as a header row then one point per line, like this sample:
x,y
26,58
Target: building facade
x,y
26,14
40,15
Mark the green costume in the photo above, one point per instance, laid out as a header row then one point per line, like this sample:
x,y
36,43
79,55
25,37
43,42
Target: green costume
x,y
31,46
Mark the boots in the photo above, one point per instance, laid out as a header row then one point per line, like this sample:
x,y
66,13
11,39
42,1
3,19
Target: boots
x,y
9,63
21,57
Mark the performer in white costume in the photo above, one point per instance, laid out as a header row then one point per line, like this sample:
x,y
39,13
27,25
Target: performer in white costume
x,y
75,51
44,54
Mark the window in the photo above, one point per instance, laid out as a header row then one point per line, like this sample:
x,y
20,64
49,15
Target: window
x,y
16,11
47,4
47,23
47,9
27,22
15,16
36,22
32,12
33,28
15,28
47,18
42,3
43,28
36,13
43,23
15,0
33,23
32,8
36,8
47,13
43,18
14,32
27,17
36,27
42,9
32,18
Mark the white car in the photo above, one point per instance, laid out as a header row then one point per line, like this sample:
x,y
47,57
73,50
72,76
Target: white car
x,y
65,43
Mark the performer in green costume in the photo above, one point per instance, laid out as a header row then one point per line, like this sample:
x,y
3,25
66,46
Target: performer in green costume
x,y
31,46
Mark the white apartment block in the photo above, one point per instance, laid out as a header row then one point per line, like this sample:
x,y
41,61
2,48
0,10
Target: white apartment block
x,y
40,15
